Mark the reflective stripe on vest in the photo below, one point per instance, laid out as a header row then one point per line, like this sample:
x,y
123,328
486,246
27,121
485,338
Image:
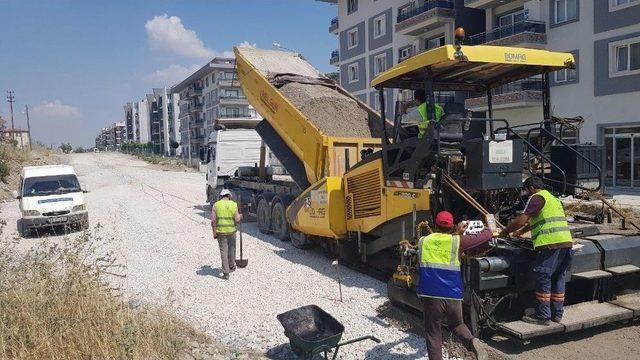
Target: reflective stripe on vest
x,y
440,274
549,226
225,216
424,124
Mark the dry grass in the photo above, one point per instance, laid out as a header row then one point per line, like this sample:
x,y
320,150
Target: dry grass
x,y
55,304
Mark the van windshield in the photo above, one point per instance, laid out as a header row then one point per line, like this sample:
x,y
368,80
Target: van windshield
x,y
50,185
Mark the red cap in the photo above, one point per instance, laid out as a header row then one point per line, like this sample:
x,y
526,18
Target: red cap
x,y
444,219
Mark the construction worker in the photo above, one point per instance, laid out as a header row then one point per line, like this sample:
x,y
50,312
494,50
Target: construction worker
x,y
419,116
545,218
224,217
440,287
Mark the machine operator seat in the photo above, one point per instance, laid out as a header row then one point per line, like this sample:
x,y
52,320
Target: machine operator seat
x,y
450,130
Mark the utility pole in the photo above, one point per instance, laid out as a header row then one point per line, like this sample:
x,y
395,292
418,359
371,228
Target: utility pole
x,y
26,110
11,99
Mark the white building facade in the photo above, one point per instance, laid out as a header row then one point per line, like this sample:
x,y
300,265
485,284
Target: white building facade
x,y
604,36
209,97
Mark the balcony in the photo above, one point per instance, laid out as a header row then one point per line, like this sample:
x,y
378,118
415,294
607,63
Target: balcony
x,y
482,4
233,100
335,58
333,28
189,108
431,15
518,94
193,91
228,82
236,116
527,33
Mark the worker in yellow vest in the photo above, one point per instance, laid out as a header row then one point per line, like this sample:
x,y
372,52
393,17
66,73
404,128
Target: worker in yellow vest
x,y
545,218
224,217
420,115
440,286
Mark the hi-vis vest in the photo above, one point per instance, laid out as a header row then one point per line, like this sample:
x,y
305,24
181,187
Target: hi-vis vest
x,y
549,225
440,275
424,124
225,212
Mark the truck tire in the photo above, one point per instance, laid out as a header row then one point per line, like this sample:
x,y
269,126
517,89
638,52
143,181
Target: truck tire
x,y
279,223
300,240
263,214
210,195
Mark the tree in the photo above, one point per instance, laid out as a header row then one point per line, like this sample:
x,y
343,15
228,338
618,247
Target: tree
x,y
79,150
66,148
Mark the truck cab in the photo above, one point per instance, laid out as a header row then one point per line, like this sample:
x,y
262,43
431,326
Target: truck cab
x,y
227,152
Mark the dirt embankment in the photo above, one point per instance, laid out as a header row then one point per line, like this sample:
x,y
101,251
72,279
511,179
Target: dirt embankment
x,y
15,159
333,113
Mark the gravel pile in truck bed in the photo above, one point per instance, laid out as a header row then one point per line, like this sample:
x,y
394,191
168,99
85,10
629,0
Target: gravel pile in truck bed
x,y
330,111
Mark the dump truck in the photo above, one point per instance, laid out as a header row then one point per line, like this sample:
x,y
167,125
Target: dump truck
x,y
363,184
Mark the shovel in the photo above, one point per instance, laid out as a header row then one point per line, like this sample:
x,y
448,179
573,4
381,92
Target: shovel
x,y
241,263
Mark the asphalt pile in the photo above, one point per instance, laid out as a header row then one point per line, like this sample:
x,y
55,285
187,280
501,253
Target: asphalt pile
x,y
330,111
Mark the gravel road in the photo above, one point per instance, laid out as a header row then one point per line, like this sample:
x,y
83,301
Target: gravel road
x,y
158,222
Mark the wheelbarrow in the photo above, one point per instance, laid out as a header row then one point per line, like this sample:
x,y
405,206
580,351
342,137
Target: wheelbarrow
x,y
312,331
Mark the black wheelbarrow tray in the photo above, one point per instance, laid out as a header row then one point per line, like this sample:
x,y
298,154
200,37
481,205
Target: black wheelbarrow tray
x,y
313,331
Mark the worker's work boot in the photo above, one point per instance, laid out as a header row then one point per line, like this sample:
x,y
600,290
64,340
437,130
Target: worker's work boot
x,y
478,349
557,319
535,319
225,276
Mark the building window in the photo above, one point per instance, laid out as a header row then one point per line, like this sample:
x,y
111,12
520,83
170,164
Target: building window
x,y
622,4
403,11
352,38
624,57
434,43
376,101
379,26
379,63
511,18
567,75
565,10
405,52
352,72
352,6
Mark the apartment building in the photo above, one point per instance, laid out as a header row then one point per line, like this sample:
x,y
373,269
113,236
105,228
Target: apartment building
x,y
111,138
211,96
164,120
374,35
155,119
604,36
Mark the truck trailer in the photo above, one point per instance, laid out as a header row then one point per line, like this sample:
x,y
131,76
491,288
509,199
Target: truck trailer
x,y
362,184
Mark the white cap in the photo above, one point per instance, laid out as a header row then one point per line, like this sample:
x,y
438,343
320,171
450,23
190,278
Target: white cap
x,y
225,192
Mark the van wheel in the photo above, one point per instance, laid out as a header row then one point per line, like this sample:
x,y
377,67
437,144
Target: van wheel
x,y
24,232
263,216
279,222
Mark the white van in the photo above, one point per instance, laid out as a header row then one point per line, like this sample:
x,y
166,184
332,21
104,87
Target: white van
x,y
50,196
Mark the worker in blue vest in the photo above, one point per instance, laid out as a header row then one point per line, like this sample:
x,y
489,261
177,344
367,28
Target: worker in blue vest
x,y
544,216
420,115
440,287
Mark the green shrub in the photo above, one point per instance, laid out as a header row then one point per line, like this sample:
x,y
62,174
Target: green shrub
x,y
4,170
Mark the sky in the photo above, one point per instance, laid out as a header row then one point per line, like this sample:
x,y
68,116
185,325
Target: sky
x,y
75,63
